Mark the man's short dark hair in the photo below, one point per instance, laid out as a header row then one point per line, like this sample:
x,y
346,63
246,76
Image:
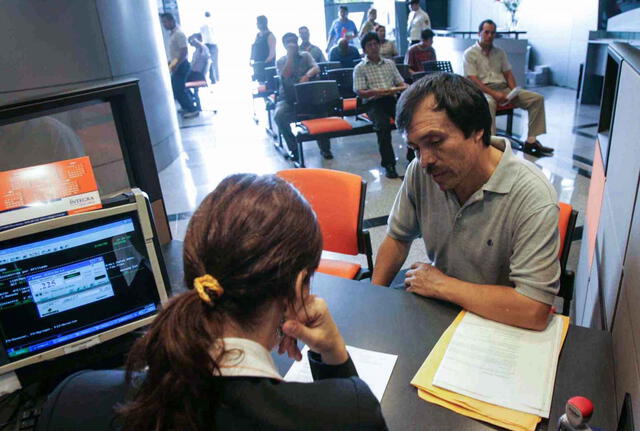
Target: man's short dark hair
x,y
459,97
303,26
344,8
168,16
288,36
486,21
414,1
372,35
427,34
207,14
262,19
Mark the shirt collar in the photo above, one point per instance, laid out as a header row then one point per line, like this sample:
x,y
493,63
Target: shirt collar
x,y
502,178
367,60
482,50
246,358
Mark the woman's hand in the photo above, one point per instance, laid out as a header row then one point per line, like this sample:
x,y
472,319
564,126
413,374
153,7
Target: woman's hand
x,y
314,326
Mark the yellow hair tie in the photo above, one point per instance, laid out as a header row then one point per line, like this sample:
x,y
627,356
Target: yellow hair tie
x,y
207,282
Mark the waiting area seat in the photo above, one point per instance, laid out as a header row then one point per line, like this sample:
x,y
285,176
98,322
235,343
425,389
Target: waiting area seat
x,y
338,200
566,226
326,66
437,66
194,87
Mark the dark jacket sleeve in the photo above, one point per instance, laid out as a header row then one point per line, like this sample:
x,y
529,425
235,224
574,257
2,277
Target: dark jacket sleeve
x,y
320,370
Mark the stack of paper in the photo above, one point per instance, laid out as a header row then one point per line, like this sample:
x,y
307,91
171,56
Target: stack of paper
x,y
493,372
373,367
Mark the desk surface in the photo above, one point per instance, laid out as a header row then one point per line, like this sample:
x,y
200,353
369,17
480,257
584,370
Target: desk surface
x,y
394,321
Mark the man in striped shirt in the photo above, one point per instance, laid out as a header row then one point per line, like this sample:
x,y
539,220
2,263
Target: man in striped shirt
x,y
377,81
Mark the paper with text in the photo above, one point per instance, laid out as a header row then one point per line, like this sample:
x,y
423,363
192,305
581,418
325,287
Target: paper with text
x,y
503,365
374,368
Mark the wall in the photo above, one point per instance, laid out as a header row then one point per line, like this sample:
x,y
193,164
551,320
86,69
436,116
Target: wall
x,y
51,46
557,30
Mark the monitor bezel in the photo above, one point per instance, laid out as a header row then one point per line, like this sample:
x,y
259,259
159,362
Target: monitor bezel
x,y
138,207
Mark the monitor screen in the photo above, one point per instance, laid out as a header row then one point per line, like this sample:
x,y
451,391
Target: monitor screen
x,y
73,282
78,130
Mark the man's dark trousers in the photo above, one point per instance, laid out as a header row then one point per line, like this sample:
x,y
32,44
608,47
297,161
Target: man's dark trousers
x,y
180,92
380,112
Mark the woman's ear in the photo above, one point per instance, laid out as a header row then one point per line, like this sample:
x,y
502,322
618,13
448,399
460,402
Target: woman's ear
x,y
302,286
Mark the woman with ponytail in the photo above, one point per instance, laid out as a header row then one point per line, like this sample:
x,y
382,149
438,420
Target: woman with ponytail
x,y
205,363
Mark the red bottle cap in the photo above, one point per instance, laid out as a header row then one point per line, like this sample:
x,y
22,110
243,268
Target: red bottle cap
x,y
584,405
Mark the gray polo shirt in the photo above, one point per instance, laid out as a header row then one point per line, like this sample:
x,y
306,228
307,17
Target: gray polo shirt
x,y
505,234
488,68
302,62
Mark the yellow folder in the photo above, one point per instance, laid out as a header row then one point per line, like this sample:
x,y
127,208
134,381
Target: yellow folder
x,y
464,405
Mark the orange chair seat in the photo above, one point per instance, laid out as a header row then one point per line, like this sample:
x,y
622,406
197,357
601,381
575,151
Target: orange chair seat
x,y
326,125
391,120
339,268
196,84
506,107
262,88
349,104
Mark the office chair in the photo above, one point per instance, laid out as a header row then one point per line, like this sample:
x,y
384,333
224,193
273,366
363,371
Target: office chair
x,y
328,65
398,59
437,66
338,201
344,79
406,74
419,75
566,226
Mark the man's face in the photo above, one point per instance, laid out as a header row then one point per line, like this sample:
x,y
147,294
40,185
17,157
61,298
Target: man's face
x,y
304,34
382,33
441,147
343,13
372,48
291,45
373,14
427,42
487,34
414,6
168,24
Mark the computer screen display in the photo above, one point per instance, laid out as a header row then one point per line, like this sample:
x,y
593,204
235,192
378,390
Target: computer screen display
x,y
73,282
76,131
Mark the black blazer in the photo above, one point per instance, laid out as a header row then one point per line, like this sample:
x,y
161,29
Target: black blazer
x,y
336,400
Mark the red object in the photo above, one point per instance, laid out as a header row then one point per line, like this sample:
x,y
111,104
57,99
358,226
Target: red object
x,y
584,405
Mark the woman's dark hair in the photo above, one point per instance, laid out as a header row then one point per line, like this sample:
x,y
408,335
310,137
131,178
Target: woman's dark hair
x,y
372,35
460,98
254,234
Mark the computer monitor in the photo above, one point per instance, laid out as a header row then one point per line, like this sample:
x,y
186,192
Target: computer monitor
x,y
73,282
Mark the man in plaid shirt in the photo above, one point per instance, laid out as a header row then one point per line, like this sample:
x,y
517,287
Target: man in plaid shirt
x,y
377,81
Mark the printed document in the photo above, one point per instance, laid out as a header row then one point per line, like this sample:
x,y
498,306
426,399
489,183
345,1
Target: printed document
x,y
512,95
503,365
373,367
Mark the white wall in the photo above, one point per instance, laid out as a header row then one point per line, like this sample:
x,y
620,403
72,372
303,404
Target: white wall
x,y
557,30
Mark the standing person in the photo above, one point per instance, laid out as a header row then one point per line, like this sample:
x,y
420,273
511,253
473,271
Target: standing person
x,y
200,61
421,52
370,24
488,219
295,67
418,20
307,46
377,81
206,30
340,28
387,47
205,362
264,47
346,54
488,67
179,65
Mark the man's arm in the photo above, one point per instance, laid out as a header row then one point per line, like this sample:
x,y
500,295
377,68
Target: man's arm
x,y
511,80
287,69
391,255
497,95
500,303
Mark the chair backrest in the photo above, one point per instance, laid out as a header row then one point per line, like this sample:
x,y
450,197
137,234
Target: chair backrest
x,y
258,71
328,65
399,59
271,78
418,75
405,72
566,226
437,66
344,78
338,200
316,99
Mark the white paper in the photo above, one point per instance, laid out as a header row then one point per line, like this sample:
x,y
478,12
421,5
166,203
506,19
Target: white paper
x,y
502,365
374,368
512,95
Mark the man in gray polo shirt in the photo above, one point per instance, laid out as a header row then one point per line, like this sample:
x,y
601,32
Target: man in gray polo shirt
x,y
488,219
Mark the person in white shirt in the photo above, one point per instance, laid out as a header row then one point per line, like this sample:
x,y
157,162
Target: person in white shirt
x,y
488,67
418,20
201,59
206,30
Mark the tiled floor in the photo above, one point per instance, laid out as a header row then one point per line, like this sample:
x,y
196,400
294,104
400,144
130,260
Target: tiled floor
x,y
216,145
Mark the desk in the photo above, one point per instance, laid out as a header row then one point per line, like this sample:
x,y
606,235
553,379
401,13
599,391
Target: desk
x,y
394,321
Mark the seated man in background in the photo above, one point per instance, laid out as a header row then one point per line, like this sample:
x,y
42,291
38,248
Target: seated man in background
x,y
293,68
377,81
488,66
387,47
307,46
489,219
421,52
201,59
346,54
